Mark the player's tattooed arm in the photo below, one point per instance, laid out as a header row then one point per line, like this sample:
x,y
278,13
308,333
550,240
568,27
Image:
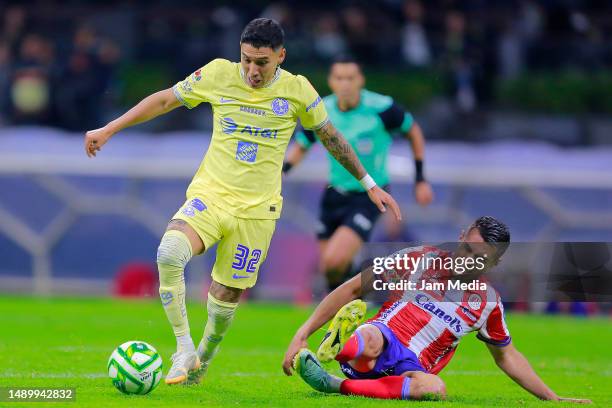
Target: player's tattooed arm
x,y
342,151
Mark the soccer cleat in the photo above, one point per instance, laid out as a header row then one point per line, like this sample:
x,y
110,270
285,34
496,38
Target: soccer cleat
x,y
182,363
308,367
195,376
342,326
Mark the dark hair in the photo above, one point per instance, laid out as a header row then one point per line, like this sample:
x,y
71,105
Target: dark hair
x,y
263,32
345,59
493,231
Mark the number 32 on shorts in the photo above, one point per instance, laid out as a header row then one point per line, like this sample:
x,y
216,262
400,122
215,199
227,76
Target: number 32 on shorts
x,y
242,260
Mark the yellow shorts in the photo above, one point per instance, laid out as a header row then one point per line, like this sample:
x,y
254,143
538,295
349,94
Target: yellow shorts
x,y
243,243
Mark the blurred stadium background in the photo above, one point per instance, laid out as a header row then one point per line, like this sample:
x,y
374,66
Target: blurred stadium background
x,y
514,97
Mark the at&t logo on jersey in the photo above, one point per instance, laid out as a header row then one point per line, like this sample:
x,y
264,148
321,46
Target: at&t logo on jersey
x,y
453,322
229,126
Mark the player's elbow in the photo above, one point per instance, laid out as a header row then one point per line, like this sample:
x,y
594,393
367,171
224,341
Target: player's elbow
x,y
167,99
509,360
415,131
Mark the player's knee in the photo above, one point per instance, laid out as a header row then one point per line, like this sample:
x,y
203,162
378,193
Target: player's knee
x,y
174,250
224,293
373,341
425,386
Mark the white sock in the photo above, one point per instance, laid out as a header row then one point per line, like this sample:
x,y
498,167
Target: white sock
x,y
172,255
184,343
220,316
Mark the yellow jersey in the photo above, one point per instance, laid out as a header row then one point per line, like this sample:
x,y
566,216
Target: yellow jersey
x,y
241,171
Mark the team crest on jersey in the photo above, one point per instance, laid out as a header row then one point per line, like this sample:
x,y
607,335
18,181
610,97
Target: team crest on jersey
x,y
280,106
197,75
474,301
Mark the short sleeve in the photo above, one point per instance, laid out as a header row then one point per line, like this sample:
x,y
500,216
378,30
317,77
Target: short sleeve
x,y
494,330
395,117
305,138
198,86
312,112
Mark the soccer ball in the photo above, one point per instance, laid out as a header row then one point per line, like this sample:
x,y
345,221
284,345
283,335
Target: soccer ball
x,y
135,367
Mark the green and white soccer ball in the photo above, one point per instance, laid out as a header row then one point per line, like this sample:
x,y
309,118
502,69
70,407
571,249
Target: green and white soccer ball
x,y
135,367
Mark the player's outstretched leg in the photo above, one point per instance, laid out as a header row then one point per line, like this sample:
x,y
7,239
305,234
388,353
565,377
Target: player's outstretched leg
x,y
413,385
172,255
220,316
308,367
342,326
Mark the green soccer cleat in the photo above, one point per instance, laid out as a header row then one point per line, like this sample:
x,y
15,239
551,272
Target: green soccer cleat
x,y
342,326
195,376
308,367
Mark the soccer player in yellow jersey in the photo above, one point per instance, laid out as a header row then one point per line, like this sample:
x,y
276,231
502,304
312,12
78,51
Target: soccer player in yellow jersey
x,y
235,197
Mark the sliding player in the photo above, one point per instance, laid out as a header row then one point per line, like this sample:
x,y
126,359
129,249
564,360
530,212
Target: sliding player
x,y
234,198
399,352
367,120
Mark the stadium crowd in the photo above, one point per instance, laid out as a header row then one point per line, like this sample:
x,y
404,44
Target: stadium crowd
x,y
59,62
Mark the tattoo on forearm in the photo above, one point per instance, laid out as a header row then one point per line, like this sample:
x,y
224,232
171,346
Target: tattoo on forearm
x,y
337,145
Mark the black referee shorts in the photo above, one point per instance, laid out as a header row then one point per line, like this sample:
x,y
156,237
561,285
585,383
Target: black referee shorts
x,y
353,209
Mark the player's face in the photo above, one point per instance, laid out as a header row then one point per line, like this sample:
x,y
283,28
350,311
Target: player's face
x,y
259,64
345,80
474,246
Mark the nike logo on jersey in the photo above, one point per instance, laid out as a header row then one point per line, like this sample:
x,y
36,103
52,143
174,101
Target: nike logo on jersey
x,y
239,276
225,100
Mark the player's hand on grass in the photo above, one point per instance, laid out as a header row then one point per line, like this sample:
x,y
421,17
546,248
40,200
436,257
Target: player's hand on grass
x,y
297,343
382,199
576,400
423,193
95,139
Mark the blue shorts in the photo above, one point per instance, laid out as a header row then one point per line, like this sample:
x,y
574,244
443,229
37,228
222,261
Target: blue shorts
x,y
394,360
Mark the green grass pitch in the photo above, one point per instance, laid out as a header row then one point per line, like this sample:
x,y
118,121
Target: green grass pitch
x,y
66,342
